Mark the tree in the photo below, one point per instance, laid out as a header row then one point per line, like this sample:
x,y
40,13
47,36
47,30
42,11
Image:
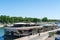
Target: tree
x,y
8,19
45,19
36,20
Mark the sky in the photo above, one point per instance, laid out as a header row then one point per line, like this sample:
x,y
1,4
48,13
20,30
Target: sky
x,y
31,8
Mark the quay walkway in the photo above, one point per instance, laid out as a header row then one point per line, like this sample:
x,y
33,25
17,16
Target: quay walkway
x,y
43,36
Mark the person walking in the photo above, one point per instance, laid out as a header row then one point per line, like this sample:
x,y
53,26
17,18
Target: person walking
x,y
39,32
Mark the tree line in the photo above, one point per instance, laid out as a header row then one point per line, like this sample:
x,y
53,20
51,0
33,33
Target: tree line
x,y
8,19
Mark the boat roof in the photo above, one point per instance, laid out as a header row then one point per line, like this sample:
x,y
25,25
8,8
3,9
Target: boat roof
x,y
23,28
19,23
24,23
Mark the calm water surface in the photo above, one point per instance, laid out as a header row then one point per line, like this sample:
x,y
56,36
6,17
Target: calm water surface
x,y
1,33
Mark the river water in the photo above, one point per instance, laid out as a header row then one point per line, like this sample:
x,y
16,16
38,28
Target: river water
x,y
1,33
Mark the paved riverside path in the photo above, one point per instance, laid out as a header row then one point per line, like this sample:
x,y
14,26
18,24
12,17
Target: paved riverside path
x,y
42,37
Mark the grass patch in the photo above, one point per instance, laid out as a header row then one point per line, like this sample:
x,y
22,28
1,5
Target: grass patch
x,y
51,34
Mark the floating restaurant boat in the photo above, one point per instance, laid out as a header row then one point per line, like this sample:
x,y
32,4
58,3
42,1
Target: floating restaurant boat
x,y
23,29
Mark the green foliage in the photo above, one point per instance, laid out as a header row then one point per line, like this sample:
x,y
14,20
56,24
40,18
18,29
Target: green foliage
x,y
45,19
8,19
51,34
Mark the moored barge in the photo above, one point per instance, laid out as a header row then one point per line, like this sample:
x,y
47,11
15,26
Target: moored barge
x,y
23,29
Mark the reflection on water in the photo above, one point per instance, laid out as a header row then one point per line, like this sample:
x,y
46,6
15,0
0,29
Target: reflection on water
x,y
1,33
1,38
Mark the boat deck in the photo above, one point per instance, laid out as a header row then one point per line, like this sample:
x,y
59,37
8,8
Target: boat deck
x,y
23,28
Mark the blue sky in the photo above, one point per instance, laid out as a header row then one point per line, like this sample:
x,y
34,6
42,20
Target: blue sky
x,y
31,8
